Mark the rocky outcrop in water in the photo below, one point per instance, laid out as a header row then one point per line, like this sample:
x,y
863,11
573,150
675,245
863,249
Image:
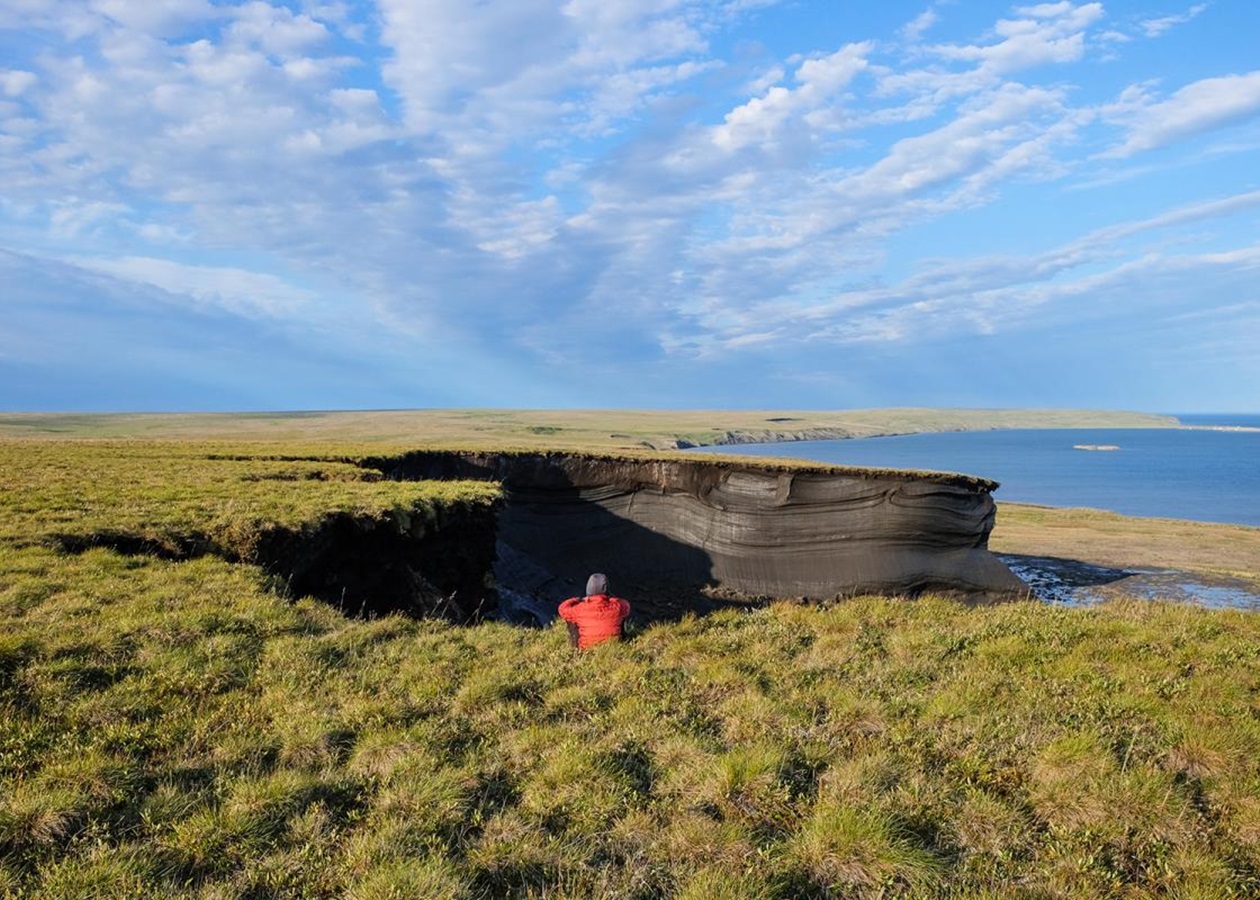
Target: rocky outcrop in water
x,y
817,532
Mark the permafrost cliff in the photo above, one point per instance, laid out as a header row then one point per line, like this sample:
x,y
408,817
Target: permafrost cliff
x,y
817,532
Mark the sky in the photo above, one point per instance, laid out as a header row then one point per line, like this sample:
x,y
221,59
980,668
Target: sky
x,y
777,204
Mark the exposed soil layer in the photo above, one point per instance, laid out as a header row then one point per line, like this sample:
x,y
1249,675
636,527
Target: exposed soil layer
x,y
676,534
670,524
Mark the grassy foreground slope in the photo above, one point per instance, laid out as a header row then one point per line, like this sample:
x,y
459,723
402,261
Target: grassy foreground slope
x,y
174,729
568,429
179,728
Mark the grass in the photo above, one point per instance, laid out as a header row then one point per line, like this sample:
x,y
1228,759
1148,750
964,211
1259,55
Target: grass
x,y
175,729
174,497
172,725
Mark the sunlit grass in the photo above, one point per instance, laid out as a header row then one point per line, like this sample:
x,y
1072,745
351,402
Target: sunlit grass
x,y
177,729
556,428
173,724
183,499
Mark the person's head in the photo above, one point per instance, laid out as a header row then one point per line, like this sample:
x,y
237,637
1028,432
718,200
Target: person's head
x,y
596,584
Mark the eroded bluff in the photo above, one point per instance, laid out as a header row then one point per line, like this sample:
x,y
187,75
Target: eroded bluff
x,y
758,529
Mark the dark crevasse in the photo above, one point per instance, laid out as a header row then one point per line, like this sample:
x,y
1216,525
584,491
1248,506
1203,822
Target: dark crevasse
x,y
437,564
368,567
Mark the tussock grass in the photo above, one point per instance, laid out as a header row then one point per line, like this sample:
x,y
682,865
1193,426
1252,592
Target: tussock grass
x,y
174,728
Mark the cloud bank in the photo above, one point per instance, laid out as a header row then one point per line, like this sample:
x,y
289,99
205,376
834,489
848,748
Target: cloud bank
x,y
625,202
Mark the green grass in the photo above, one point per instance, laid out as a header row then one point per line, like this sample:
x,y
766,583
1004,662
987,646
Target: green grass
x,y
175,729
173,496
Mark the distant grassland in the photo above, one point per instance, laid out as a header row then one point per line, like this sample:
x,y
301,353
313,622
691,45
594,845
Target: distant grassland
x,y
573,429
182,728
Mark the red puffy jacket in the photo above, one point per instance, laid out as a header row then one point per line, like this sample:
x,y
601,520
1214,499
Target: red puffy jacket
x,y
598,617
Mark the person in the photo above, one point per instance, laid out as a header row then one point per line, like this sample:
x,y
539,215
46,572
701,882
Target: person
x,y
597,617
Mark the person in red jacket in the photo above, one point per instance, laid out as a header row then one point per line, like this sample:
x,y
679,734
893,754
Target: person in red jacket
x,y
597,617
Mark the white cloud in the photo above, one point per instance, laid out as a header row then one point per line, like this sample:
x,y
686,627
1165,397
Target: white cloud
x,y
1194,109
15,82
520,70
1112,36
168,18
977,137
236,290
914,30
1042,35
762,119
276,30
1157,26
1049,33
998,294
71,216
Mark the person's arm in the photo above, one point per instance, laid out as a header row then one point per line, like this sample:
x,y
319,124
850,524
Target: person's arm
x,y
567,607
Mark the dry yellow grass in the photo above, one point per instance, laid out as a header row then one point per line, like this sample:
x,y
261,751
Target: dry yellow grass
x,y
1104,538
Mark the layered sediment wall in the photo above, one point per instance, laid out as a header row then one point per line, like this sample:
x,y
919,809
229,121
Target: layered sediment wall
x,y
815,532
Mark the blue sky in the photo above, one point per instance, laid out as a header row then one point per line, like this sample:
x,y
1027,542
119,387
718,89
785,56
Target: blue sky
x,y
644,203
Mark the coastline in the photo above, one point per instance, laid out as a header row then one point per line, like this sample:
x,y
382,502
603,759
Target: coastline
x,y
1247,429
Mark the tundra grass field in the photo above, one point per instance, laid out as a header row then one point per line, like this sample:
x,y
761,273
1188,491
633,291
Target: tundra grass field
x,y
174,722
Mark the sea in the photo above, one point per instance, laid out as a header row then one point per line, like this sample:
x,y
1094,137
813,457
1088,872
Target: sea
x,y
1208,472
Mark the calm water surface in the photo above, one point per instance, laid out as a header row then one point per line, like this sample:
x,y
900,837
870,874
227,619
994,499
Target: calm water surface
x,y
1204,475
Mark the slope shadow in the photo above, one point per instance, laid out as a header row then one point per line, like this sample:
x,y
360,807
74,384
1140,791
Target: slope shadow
x,y
550,539
551,534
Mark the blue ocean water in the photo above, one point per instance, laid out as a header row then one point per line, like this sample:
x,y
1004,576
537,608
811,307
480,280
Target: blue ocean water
x,y
1203,475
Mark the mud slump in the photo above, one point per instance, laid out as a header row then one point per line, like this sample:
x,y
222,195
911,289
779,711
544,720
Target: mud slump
x,y
687,532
